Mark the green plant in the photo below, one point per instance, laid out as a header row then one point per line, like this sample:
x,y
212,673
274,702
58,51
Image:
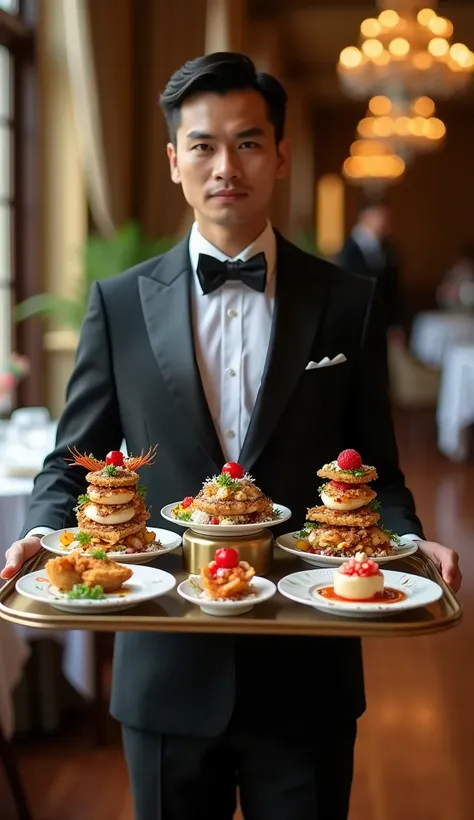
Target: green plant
x,y
102,257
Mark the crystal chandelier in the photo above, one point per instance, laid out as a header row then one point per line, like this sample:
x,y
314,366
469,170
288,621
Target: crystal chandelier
x,y
406,55
408,128
372,164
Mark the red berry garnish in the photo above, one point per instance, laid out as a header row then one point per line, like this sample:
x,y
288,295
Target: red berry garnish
x,y
341,485
186,502
226,557
214,521
115,457
349,460
235,470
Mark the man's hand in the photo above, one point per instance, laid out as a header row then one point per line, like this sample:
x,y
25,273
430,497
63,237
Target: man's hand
x,y
18,553
445,560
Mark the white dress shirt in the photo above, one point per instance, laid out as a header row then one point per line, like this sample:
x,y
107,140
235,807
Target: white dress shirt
x,y
232,327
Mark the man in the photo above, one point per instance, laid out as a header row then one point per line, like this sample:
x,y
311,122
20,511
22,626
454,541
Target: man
x,y
180,352
369,251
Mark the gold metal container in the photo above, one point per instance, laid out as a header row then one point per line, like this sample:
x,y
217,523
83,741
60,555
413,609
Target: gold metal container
x,y
257,549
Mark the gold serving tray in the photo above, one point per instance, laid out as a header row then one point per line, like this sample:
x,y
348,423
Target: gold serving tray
x,y
278,616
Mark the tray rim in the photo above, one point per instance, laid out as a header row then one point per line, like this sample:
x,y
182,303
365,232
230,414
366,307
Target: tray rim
x,y
332,625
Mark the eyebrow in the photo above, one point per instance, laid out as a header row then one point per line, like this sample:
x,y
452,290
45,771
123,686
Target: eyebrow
x,y
204,135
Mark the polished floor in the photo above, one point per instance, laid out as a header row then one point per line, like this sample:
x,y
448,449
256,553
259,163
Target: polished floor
x,y
415,751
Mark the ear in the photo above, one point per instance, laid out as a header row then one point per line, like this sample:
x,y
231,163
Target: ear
x,y
283,158
173,160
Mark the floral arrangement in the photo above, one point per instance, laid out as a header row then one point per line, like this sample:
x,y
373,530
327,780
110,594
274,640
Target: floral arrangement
x,y
15,370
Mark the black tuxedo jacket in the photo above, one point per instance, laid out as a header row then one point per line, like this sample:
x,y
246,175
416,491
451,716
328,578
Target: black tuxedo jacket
x,y
387,275
136,378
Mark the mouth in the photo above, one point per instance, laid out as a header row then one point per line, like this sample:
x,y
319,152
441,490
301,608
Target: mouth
x,y
228,195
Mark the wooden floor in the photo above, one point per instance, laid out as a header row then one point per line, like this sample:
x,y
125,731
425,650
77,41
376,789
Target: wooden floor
x,y
415,751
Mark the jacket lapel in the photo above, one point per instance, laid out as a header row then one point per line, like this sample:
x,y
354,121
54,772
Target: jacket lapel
x,y
166,303
301,292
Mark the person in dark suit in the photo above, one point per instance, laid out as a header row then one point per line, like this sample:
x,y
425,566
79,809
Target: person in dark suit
x,y
370,251
204,350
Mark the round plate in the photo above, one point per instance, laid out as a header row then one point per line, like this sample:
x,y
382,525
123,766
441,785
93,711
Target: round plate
x,y
218,530
264,589
169,541
287,543
303,588
145,584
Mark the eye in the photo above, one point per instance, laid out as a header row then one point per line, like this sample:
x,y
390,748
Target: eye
x,y
201,146
249,144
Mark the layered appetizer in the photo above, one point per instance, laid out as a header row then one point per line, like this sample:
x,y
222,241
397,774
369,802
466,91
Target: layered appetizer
x,y
229,498
347,522
112,514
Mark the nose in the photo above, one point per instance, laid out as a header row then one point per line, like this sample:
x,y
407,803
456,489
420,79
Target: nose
x,y
226,166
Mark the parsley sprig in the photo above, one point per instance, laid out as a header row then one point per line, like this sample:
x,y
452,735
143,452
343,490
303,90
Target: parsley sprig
x,y
141,492
110,469
83,538
375,505
83,499
83,592
101,555
225,480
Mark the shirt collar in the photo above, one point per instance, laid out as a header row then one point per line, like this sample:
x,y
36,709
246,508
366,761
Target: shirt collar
x,y
265,243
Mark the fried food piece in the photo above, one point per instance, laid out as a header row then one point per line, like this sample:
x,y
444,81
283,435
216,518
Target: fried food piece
x,y
344,538
112,534
123,478
231,584
67,570
110,495
362,517
334,473
243,499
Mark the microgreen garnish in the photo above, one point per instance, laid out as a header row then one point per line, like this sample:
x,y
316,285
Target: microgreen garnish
x,y
83,538
82,591
83,499
110,470
101,555
141,492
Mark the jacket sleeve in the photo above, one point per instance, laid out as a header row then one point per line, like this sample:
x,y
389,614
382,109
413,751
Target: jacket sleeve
x,y
371,426
90,421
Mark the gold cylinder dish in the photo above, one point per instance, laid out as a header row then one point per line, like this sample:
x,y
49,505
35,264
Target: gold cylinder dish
x,y
256,549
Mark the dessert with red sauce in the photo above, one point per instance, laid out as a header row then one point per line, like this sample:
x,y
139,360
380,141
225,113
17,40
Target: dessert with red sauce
x,y
358,579
229,498
347,521
226,578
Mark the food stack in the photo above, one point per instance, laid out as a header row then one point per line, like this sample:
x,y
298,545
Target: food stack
x,y
347,521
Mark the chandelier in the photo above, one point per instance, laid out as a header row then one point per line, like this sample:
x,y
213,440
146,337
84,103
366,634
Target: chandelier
x,y
372,164
405,56
407,127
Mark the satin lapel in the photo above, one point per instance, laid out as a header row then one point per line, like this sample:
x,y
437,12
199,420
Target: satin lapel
x,y
166,304
301,291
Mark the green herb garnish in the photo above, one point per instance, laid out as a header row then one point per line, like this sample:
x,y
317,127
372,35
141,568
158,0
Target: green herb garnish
x,y
110,469
83,538
321,488
83,499
357,472
82,591
276,513
375,505
184,516
101,555
308,527
394,538
224,480
141,492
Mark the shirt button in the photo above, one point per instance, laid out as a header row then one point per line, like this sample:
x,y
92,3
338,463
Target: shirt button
x,y
231,371
231,313
229,434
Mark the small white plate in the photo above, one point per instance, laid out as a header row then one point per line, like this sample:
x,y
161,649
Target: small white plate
x,y
287,543
303,587
219,530
264,589
168,540
145,584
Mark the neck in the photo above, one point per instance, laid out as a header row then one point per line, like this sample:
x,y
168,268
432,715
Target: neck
x,y
232,240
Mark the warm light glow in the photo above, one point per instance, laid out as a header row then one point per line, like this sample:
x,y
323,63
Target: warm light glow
x,y
425,16
372,48
424,107
438,47
436,129
380,106
382,59
422,61
330,214
469,63
366,127
350,57
370,27
388,18
459,52
399,47
368,148
383,127
402,126
440,26
388,166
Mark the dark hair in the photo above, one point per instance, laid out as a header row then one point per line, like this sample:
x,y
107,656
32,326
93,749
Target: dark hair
x,y
220,73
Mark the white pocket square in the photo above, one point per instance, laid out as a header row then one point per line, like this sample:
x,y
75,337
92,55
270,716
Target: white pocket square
x,y
327,362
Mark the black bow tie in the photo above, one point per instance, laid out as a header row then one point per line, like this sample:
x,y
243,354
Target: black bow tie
x,y
212,273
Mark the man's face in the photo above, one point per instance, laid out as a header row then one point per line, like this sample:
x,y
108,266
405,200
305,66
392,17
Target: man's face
x,y
226,158
378,220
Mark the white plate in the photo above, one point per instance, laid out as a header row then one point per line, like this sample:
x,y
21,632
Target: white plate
x,y
219,530
264,590
287,543
169,541
145,584
302,587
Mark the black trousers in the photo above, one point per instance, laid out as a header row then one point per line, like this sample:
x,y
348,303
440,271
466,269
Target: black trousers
x,y
278,777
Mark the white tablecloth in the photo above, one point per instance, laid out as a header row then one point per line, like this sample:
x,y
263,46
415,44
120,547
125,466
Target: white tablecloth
x,y
455,411
433,334
78,658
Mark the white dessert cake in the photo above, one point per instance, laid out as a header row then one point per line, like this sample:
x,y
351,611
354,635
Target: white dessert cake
x,y
358,579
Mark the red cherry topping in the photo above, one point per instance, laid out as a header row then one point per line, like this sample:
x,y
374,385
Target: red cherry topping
x,y
214,521
115,457
341,485
186,502
362,570
235,470
349,460
226,557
